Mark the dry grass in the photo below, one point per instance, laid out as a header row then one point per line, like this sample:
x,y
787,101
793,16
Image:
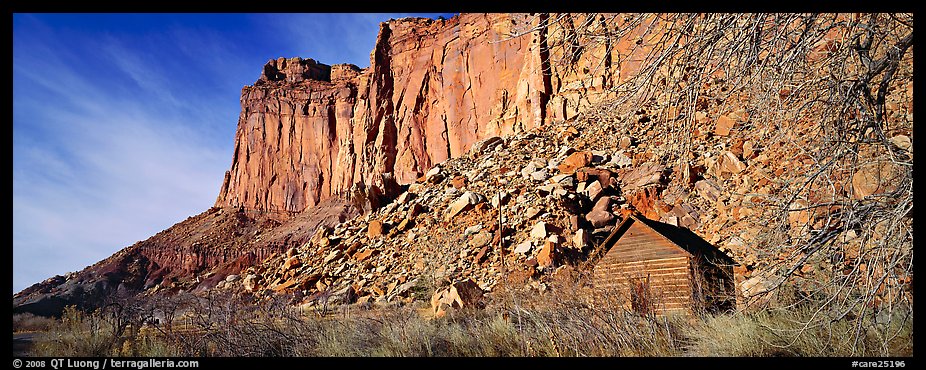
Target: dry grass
x,y
784,332
516,322
96,334
27,322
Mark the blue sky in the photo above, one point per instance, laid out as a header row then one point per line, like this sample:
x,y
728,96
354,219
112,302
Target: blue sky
x,y
123,124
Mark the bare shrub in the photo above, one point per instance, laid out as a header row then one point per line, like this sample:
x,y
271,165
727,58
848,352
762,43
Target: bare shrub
x,y
26,322
825,95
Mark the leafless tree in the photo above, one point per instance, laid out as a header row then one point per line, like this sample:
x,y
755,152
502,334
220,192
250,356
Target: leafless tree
x,y
824,93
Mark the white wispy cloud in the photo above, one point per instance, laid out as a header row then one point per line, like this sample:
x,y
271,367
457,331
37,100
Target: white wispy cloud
x,y
100,164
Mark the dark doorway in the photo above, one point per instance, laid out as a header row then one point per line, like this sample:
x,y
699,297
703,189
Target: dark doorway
x,y
640,297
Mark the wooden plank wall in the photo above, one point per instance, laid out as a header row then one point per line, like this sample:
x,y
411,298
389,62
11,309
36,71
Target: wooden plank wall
x,y
643,254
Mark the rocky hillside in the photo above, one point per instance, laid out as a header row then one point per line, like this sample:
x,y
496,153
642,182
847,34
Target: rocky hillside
x,y
487,147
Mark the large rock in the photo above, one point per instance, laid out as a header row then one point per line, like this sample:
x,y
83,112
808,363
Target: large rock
x,y
291,263
648,202
723,125
593,191
600,215
574,162
523,247
539,231
581,239
625,142
546,254
620,160
458,295
434,175
708,189
643,175
902,142
480,239
605,177
459,182
464,203
374,229
361,256
500,199
486,145
249,282
685,216
875,178
729,163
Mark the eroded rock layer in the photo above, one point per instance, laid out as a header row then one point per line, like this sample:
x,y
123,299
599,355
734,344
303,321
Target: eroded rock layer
x,y
308,132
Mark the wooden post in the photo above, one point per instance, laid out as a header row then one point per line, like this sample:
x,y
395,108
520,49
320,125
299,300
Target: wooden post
x,y
501,231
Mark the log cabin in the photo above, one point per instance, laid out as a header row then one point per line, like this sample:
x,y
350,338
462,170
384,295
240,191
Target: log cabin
x,y
657,268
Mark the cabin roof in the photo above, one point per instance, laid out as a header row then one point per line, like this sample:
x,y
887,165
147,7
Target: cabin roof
x,y
683,238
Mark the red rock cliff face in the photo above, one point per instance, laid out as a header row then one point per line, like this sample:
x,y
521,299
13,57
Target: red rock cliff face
x,y
308,132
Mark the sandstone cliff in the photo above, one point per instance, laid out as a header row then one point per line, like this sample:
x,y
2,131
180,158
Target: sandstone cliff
x,y
308,132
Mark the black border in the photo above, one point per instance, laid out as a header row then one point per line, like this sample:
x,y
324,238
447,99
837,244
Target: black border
x,y
291,6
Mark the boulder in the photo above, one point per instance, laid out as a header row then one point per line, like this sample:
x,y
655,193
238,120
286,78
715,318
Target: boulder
x,y
643,175
708,189
648,201
574,162
539,175
458,295
291,263
249,282
332,256
600,214
353,248
523,247
723,125
361,256
472,230
593,191
875,178
459,182
414,210
374,229
545,254
434,175
405,197
581,239
620,160
481,255
604,176
486,145
500,199
685,216
625,142
480,239
902,142
729,163
464,203
539,231
749,149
